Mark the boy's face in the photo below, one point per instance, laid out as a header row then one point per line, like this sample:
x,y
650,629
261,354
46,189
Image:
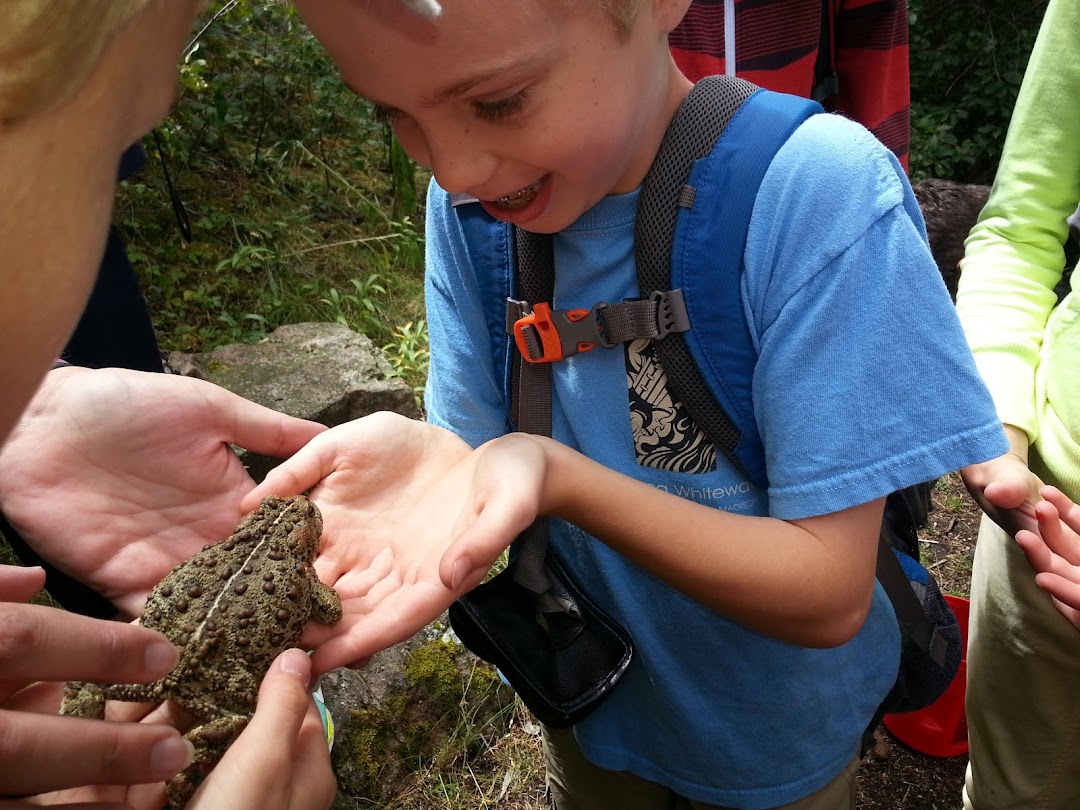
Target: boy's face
x,y
537,110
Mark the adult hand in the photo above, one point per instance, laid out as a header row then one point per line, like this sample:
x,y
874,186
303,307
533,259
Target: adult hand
x,y
1054,552
115,476
395,493
1004,487
281,760
42,751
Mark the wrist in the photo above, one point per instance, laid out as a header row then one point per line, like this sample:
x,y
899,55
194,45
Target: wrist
x,y
1018,442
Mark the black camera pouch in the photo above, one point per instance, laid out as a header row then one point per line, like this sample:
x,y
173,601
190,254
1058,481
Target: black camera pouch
x,y
558,651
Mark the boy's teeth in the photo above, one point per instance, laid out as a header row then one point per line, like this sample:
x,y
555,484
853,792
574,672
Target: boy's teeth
x,y
519,199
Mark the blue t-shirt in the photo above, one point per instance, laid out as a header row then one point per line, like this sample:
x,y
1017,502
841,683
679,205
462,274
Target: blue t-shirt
x,y
863,385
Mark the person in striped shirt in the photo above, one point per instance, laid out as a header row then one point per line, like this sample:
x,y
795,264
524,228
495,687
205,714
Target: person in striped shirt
x,y
852,55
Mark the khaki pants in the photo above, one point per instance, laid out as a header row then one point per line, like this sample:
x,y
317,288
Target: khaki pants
x,y
577,784
1023,690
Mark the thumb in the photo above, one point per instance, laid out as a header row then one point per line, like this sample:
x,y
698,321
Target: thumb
x,y
1012,492
261,429
299,473
481,540
283,701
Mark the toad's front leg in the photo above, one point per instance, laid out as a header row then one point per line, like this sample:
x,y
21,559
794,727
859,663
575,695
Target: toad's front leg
x,y
211,740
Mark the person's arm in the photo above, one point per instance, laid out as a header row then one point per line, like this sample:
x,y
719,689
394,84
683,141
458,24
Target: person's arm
x,y
807,582
1014,255
397,494
1014,258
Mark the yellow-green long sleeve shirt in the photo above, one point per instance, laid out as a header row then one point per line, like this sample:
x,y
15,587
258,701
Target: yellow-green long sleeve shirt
x,y
1028,351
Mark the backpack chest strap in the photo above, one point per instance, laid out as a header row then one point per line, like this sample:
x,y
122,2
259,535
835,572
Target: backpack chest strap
x,y
546,335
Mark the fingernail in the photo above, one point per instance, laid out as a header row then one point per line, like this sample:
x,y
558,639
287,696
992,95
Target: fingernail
x,y
162,657
171,755
461,570
295,663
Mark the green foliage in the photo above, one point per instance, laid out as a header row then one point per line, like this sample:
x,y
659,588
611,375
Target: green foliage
x,y
432,743
403,174
289,183
409,353
967,62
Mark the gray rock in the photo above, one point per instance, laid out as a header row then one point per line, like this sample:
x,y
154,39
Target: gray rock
x,y
325,372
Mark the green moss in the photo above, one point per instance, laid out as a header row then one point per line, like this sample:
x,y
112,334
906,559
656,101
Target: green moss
x,y
441,716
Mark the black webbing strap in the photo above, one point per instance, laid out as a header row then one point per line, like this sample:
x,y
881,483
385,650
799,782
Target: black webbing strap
x,y
698,124
531,396
577,330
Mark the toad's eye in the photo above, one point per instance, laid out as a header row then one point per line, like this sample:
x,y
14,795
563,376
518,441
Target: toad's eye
x,y
502,108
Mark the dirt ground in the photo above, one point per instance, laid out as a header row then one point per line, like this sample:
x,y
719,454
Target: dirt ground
x,y
892,776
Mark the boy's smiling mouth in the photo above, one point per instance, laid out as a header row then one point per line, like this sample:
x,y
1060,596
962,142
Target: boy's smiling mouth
x,y
521,199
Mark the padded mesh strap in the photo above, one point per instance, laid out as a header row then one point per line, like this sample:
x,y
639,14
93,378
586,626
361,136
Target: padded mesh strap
x,y
697,125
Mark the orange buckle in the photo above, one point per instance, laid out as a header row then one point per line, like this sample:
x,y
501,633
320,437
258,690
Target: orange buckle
x,y
545,335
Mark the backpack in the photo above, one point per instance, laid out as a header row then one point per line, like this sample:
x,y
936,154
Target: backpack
x,y
708,169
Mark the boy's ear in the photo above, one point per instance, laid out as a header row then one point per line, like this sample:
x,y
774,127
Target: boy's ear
x,y
668,13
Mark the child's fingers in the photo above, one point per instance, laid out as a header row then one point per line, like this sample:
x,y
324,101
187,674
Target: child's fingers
x,y
1068,511
1038,554
298,473
479,541
1066,595
1059,538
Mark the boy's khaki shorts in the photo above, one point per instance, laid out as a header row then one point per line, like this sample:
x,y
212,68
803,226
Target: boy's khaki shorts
x,y
576,784
1023,689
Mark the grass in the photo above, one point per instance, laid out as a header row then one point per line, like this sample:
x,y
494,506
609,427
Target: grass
x,y
299,206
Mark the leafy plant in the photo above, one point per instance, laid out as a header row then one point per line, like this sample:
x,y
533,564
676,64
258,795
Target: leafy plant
x,y
409,353
290,185
967,62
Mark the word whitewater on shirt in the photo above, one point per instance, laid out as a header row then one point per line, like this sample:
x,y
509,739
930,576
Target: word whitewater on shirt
x,y
715,494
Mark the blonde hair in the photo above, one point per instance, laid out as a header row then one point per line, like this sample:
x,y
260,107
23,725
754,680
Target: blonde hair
x,y
48,48
622,12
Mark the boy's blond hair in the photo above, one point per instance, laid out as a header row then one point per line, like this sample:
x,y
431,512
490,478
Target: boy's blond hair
x,y
48,48
622,12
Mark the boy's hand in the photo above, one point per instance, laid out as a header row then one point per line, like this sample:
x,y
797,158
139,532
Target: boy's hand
x,y
115,476
1054,552
395,494
1004,487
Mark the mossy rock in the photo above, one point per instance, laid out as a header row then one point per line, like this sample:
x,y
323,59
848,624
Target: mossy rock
x,y
427,704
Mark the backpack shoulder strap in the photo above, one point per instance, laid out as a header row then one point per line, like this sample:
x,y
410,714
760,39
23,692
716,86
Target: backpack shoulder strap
x,y
692,223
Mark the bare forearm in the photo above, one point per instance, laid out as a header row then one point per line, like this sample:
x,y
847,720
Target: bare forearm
x,y
809,582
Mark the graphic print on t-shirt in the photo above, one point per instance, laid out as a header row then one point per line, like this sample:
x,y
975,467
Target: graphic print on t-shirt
x,y
665,437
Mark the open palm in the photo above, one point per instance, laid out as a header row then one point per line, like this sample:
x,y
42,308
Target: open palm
x,y
395,494
115,476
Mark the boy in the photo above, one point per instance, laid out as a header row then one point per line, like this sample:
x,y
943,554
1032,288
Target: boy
x,y
763,644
